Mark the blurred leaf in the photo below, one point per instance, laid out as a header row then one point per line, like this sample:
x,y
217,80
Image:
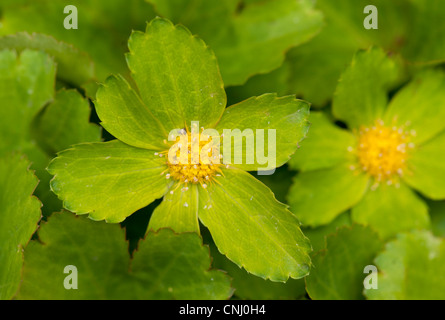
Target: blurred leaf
x,y
19,216
411,268
426,170
338,270
65,122
317,197
418,106
272,82
253,229
317,65
73,66
104,27
166,265
409,28
318,235
326,145
26,85
361,96
248,38
425,34
26,125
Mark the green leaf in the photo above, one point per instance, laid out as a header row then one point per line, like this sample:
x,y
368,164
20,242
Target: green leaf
x,y
391,209
73,66
19,216
65,122
97,250
126,117
248,38
177,75
338,273
166,266
26,125
361,94
425,32
426,170
250,287
178,210
317,197
103,30
409,28
316,66
326,145
286,117
177,266
318,235
108,180
274,81
27,84
411,268
253,229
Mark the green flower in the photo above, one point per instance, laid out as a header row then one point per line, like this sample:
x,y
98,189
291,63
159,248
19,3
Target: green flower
x,y
178,84
389,151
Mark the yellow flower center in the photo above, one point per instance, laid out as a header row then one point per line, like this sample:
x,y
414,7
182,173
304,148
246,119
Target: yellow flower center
x,y
194,158
382,151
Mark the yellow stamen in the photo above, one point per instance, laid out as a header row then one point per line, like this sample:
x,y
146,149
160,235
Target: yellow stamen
x,y
191,168
382,151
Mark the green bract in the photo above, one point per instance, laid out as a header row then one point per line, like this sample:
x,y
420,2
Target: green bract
x,y
353,168
178,81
